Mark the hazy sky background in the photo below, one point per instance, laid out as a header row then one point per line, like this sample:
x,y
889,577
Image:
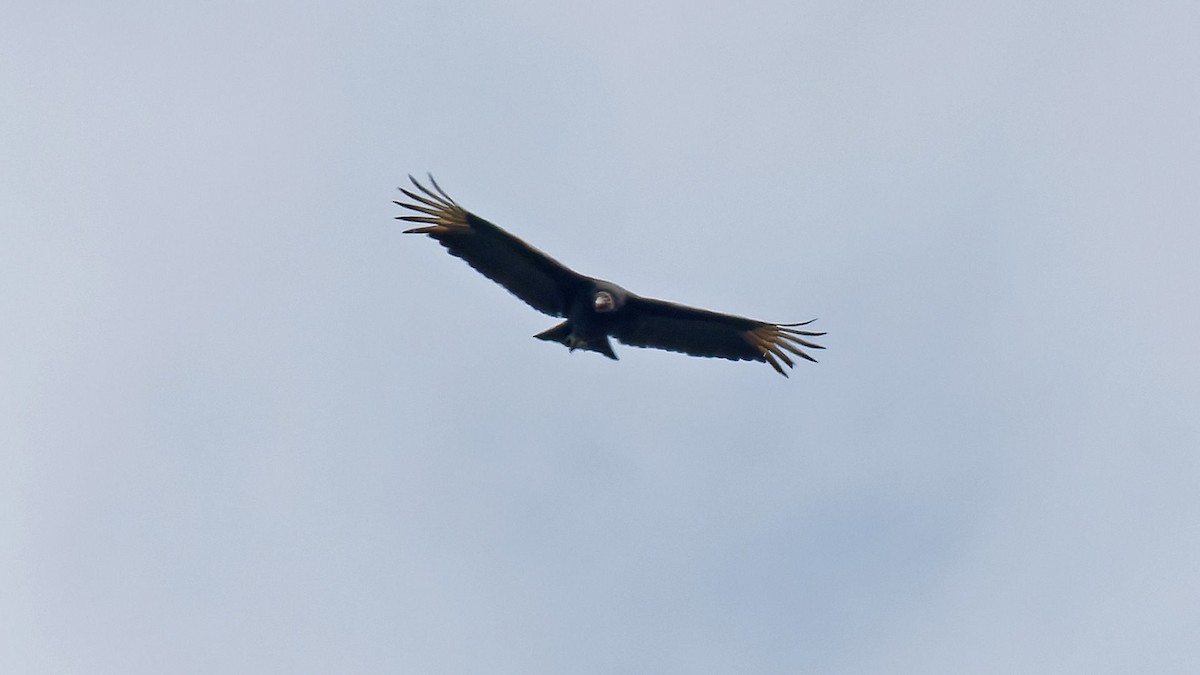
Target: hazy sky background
x,y
247,426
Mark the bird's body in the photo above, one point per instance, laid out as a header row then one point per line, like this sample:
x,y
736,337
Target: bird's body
x,y
590,314
595,309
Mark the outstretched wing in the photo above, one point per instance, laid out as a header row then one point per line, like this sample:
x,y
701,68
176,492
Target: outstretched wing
x,y
645,322
541,281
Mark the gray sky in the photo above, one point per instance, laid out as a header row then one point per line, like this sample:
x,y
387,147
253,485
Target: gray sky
x,y
249,427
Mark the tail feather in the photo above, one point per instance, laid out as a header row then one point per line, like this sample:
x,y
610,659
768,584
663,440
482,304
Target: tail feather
x,y
563,334
559,333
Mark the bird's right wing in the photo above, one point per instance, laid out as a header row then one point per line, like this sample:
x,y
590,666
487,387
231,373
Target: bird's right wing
x,y
646,322
541,281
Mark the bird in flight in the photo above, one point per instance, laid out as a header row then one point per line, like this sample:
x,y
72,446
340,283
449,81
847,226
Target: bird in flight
x,y
595,309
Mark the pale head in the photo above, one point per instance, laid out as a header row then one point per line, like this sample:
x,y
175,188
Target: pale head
x,y
603,301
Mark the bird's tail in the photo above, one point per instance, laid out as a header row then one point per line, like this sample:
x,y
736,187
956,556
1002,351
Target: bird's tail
x,y
564,333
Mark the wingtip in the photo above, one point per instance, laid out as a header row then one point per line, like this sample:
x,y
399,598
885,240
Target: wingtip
x,y
439,189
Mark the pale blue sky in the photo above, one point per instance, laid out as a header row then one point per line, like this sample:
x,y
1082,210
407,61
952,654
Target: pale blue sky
x,y
249,427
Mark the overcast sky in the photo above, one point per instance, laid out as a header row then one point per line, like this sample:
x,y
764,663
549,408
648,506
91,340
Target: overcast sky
x,y
247,426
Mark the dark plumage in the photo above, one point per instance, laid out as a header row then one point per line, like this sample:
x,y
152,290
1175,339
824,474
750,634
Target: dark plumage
x,y
594,309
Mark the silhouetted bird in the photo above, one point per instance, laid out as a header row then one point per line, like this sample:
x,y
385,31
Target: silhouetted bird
x,y
596,309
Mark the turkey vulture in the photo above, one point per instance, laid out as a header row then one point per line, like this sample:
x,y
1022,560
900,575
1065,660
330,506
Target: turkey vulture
x,y
596,309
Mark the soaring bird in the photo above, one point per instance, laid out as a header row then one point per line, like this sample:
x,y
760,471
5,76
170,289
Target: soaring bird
x,y
595,309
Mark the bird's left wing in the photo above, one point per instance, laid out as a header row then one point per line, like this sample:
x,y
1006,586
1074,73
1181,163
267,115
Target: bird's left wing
x,y
539,280
645,322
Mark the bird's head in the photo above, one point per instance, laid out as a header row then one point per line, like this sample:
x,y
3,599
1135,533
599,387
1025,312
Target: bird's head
x,y
603,301
607,297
